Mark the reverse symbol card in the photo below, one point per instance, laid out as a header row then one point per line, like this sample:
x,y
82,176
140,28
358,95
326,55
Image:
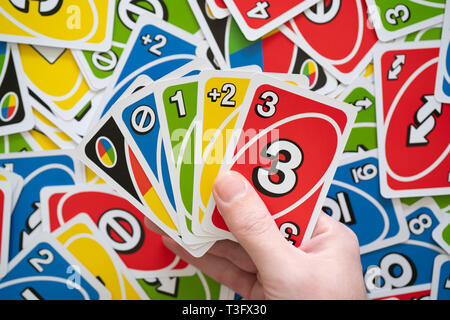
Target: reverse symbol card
x,y
412,125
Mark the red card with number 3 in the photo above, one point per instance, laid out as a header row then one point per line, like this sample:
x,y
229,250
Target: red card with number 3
x,y
290,143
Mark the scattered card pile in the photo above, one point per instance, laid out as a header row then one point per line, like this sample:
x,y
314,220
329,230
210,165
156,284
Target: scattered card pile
x,y
116,111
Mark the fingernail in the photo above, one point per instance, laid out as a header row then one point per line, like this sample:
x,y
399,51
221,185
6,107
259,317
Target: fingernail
x,y
230,186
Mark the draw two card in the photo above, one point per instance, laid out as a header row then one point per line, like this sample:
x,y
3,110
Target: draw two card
x,y
98,66
155,48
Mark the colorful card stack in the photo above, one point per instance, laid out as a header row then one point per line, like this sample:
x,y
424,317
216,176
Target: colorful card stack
x,y
114,112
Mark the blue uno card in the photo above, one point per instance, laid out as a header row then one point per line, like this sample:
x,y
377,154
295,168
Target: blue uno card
x,y
46,271
440,285
137,117
354,199
422,218
155,49
142,123
38,169
404,264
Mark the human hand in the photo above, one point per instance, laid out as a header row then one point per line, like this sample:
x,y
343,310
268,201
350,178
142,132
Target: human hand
x,y
263,265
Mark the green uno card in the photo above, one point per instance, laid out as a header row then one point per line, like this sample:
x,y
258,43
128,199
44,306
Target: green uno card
x,y
196,287
428,34
176,101
395,18
32,140
97,67
442,201
364,132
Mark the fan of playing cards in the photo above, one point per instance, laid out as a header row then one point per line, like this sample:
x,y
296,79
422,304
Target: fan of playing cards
x,y
112,112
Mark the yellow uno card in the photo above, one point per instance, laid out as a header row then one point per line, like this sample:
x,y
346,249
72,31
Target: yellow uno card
x,y
84,241
54,76
75,24
44,142
58,137
92,178
222,94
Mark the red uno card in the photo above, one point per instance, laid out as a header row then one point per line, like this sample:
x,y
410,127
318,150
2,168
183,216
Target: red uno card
x,y
413,127
119,221
337,34
288,149
257,18
220,3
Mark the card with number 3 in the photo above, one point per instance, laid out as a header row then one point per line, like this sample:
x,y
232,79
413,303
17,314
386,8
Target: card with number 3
x,y
278,153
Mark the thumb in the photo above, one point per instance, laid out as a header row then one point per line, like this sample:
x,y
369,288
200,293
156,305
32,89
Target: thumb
x,y
249,221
